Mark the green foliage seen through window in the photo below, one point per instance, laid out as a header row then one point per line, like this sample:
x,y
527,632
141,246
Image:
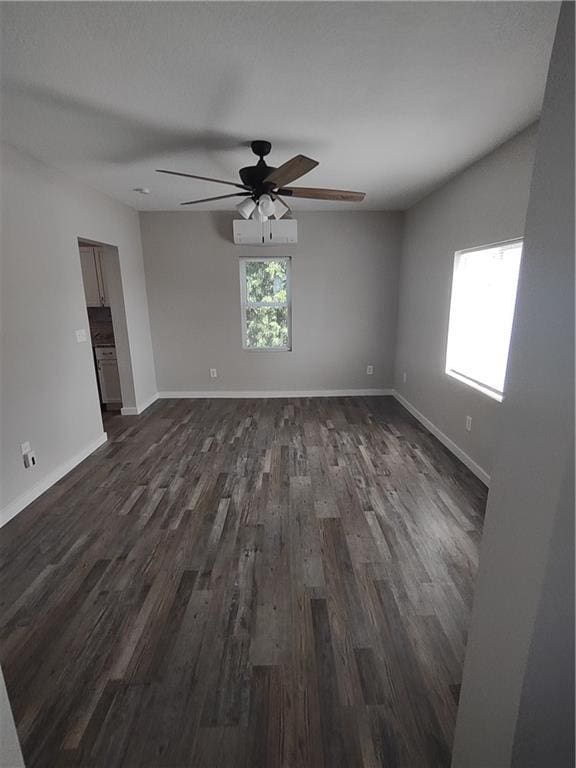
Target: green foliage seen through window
x,y
266,284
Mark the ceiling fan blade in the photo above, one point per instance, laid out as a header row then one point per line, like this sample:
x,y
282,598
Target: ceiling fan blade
x,y
291,170
322,194
218,197
203,178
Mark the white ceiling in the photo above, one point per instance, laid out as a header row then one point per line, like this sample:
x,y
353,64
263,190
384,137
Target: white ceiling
x,y
391,98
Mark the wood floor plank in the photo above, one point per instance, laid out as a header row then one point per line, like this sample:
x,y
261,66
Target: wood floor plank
x,y
280,583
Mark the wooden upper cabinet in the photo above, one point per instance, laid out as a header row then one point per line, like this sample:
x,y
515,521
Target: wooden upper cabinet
x,y
94,277
102,278
90,277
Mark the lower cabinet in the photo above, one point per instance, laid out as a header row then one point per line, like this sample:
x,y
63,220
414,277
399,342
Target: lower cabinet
x,y
108,377
109,381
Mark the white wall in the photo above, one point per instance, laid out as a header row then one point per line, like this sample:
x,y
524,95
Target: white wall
x,y
344,289
517,700
484,204
48,389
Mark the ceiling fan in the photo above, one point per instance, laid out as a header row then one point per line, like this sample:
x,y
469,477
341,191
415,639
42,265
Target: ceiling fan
x,y
262,185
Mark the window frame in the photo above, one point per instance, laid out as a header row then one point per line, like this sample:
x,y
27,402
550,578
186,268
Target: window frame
x,y
245,304
479,386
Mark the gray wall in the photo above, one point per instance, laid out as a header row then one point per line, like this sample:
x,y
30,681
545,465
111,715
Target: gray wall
x,y
484,204
48,389
344,293
517,701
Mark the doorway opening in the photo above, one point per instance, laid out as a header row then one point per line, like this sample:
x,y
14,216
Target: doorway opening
x,y
107,324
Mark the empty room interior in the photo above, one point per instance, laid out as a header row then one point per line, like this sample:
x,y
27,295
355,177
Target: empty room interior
x,y
287,385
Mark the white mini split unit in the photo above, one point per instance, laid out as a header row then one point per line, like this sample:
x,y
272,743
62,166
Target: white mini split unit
x,y
269,232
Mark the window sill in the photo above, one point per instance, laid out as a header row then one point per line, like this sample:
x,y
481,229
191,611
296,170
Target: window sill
x,y
267,349
475,385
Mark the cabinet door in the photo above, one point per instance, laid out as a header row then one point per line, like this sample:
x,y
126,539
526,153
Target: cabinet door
x,y
109,381
90,277
104,299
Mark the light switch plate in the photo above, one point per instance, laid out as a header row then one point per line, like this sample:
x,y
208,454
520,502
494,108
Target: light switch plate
x,y
81,336
25,447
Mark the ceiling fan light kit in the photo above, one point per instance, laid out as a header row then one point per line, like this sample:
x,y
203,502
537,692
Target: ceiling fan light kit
x,y
258,215
281,209
246,208
264,210
266,206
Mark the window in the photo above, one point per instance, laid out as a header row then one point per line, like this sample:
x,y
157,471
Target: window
x,y
481,314
265,294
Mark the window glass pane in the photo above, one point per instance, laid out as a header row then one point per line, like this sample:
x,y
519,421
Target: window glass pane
x,y
481,313
266,327
266,281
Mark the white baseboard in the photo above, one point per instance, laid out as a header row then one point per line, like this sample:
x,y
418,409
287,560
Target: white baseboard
x,y
22,501
233,394
140,408
480,473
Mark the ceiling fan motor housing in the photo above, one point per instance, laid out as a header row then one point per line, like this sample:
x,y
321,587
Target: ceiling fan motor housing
x,y
253,175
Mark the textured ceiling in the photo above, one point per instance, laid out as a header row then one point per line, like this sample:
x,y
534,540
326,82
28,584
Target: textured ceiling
x,y
391,98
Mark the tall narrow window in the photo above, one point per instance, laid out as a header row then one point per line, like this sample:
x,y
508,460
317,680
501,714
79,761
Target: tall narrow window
x,y
265,294
481,314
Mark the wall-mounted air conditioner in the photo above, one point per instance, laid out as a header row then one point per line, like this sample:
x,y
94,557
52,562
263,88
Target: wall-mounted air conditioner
x,y
269,232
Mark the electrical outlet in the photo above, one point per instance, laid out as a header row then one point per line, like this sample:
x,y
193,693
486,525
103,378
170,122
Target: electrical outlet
x,y
213,373
468,423
81,336
28,455
369,370
404,378
29,459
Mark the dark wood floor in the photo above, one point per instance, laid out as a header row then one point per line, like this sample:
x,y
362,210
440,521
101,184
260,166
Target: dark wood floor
x,y
252,583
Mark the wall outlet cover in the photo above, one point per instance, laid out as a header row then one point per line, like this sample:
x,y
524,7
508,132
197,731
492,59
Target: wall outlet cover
x,y
81,335
25,448
213,373
369,370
